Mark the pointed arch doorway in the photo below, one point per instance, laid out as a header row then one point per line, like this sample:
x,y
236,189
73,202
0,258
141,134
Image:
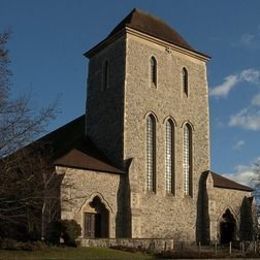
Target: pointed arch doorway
x,y
96,220
227,227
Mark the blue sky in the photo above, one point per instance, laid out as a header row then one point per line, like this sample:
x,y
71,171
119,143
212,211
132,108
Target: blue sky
x,y
49,38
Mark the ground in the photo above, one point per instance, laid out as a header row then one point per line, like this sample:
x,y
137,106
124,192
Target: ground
x,y
72,253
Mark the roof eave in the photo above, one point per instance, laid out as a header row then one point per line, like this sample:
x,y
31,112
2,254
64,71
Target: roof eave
x,y
241,189
127,29
235,185
88,168
163,42
104,43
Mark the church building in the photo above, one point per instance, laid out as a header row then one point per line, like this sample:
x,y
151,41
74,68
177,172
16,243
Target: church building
x,y
138,161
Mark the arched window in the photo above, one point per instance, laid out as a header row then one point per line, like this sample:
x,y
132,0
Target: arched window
x,y
187,160
150,152
169,158
153,71
105,75
185,81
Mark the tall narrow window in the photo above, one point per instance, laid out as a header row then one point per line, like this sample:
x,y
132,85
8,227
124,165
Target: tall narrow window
x,y
105,75
169,158
153,71
185,81
187,160
150,152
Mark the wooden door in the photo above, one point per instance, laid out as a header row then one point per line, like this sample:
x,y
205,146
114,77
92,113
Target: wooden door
x,y
89,225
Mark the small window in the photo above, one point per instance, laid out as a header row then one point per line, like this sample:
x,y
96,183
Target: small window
x,y
185,81
169,158
105,84
150,152
187,159
153,71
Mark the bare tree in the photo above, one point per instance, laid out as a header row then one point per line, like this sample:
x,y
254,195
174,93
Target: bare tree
x,y
255,184
27,178
19,124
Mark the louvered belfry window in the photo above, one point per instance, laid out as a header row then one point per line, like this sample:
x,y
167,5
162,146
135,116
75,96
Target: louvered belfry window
x,y
169,157
187,160
150,153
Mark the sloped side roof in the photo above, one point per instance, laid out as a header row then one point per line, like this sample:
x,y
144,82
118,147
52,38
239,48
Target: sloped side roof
x,y
150,25
64,138
69,147
77,158
222,182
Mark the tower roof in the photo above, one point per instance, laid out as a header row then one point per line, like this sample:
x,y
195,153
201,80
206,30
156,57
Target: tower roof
x,y
152,26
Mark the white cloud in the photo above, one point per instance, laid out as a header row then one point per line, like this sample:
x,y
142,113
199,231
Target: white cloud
x,y
239,145
245,177
246,174
247,118
251,76
256,100
250,40
225,87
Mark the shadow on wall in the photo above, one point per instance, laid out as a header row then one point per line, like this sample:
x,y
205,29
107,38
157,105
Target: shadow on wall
x,y
202,221
123,218
227,227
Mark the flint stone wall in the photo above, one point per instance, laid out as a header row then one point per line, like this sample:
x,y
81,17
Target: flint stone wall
x,y
81,186
157,214
153,245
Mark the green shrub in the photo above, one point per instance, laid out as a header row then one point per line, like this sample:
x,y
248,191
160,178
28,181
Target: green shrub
x,y
67,229
70,231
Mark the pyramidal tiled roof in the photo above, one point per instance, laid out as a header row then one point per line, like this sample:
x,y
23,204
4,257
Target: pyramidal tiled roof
x,y
152,26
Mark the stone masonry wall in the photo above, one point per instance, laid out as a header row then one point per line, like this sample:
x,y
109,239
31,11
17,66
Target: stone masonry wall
x,y
151,245
158,214
219,200
83,186
105,107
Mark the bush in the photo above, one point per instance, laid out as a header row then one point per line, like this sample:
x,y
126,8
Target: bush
x,y
70,231
67,229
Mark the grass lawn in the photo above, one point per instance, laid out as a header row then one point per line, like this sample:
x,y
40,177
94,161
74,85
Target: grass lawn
x,y
72,253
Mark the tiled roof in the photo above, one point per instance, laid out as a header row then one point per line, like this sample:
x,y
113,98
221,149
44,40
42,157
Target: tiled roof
x,y
79,159
64,138
150,25
222,182
69,147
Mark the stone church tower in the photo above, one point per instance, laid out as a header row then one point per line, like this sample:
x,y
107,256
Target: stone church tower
x,y
141,166
145,77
